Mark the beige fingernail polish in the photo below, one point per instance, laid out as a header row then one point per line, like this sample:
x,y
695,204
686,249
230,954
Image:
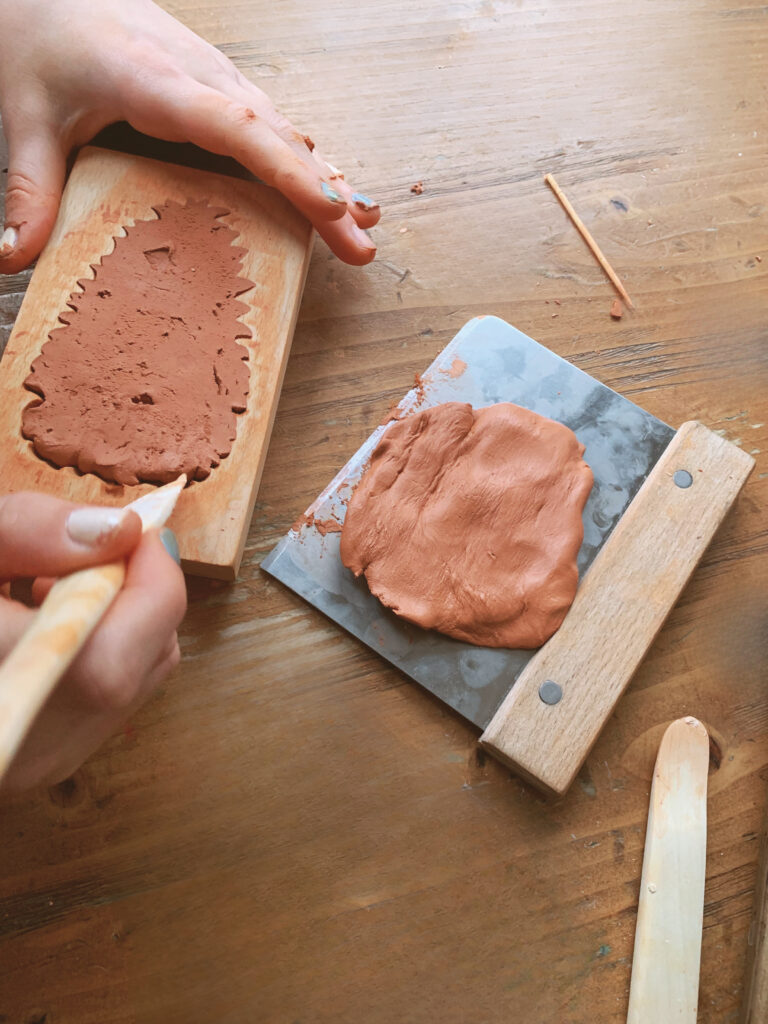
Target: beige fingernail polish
x,y
91,526
8,241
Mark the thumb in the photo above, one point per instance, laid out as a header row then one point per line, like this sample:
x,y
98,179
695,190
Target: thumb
x,y
36,172
44,536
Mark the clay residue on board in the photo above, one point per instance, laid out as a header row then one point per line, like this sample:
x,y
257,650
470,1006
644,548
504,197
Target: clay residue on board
x,y
456,369
145,379
469,522
415,398
323,526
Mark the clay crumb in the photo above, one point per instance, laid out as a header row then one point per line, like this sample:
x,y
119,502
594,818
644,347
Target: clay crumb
x,y
759,259
308,143
418,188
617,310
394,413
323,526
305,519
329,525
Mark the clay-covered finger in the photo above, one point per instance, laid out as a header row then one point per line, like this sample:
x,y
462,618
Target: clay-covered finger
x,y
187,111
44,536
365,210
348,241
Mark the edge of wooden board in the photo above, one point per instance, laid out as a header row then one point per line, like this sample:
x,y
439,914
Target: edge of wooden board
x,y
106,192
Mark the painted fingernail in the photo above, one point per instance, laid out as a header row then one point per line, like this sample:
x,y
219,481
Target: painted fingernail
x,y
92,526
331,193
171,544
364,202
8,241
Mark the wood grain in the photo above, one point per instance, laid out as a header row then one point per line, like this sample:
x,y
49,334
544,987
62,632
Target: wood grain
x,y
107,192
620,606
288,830
755,1009
667,952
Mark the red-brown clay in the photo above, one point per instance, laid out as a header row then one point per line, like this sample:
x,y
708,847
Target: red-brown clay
x,y
145,379
469,522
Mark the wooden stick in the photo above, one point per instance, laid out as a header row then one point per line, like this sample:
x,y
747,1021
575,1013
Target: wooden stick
x,y
581,227
66,618
665,965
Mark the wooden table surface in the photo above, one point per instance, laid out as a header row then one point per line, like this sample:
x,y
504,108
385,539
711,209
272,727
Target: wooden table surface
x,y
290,831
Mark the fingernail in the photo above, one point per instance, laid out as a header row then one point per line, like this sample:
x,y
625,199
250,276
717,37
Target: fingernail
x,y
8,241
363,238
170,543
364,202
331,193
93,526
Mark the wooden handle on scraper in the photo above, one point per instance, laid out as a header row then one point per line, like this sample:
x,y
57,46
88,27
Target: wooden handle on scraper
x,y
66,618
549,720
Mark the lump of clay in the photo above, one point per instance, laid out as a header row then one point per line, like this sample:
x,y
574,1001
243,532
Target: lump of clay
x,y
145,379
469,522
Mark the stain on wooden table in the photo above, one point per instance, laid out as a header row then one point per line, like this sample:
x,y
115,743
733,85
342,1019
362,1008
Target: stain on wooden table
x,y
291,832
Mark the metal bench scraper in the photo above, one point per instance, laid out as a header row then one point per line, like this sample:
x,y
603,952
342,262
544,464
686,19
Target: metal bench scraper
x,y
658,497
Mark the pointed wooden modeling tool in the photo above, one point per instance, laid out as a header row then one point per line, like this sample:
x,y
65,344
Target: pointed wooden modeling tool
x,y
665,965
71,611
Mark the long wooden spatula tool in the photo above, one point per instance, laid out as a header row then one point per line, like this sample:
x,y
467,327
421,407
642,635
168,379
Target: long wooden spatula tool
x,y
70,612
665,966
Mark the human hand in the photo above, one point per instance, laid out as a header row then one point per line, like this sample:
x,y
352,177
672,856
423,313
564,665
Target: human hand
x,y
131,650
67,70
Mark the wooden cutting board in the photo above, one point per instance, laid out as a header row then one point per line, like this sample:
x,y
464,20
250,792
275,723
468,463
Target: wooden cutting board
x,y
107,191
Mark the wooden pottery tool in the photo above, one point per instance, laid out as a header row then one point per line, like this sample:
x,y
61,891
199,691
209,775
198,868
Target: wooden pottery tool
x,y
657,500
665,964
106,193
755,1007
69,614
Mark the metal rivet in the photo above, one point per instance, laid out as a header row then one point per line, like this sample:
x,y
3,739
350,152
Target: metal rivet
x,y
683,478
550,692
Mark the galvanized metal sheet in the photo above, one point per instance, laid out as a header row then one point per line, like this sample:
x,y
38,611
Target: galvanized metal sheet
x,y
622,444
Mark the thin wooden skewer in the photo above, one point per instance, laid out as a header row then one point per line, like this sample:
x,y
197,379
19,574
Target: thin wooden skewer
x,y
581,227
64,621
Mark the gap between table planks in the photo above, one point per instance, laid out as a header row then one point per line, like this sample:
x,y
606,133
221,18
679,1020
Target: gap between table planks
x,y
106,192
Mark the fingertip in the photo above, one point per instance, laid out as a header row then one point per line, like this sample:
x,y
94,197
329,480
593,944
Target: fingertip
x,y
366,218
128,533
36,172
110,532
152,567
349,242
16,250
